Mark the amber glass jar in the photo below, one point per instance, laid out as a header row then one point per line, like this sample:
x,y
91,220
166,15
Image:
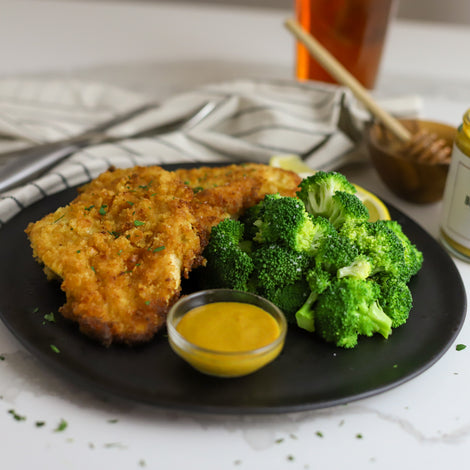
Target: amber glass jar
x,y
354,31
455,221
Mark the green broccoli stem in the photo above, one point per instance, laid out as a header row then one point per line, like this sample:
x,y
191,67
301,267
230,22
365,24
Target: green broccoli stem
x,y
305,316
382,321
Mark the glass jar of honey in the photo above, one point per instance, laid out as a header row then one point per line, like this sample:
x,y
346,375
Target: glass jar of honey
x,y
353,31
455,220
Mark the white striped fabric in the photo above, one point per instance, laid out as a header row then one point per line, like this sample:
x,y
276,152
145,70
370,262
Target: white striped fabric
x,y
251,121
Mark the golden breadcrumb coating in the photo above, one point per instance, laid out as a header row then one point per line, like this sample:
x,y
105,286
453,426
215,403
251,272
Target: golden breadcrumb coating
x,y
123,245
227,191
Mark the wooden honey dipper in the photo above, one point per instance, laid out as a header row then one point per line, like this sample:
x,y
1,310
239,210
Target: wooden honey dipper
x,y
421,146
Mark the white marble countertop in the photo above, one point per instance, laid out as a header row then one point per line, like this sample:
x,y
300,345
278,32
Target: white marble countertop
x,y
163,49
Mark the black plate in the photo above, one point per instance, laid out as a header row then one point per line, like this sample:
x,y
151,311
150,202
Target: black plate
x,y
309,374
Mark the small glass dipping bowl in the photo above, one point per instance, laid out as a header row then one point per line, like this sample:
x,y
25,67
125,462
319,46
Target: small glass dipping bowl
x,y
412,181
224,363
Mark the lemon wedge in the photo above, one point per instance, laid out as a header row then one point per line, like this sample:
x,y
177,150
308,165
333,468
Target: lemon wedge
x,y
290,162
377,209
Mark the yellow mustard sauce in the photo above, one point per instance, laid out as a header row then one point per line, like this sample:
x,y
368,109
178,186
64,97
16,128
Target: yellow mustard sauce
x,y
228,332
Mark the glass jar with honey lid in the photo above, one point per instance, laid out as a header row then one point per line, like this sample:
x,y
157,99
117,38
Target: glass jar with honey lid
x,y
455,220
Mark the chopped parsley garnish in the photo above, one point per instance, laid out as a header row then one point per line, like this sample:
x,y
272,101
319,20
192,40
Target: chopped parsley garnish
x,y
146,186
57,220
130,203
198,189
459,347
61,426
159,248
49,317
138,223
102,210
55,348
17,416
118,445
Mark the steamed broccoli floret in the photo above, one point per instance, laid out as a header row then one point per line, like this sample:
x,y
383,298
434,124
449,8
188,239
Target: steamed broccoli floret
x,y
349,308
317,190
323,231
346,207
360,268
318,280
278,275
289,298
228,262
249,217
284,220
337,253
380,244
395,299
319,259
413,257
275,266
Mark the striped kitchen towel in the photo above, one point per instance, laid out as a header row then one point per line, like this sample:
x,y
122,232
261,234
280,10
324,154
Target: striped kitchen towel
x,y
250,121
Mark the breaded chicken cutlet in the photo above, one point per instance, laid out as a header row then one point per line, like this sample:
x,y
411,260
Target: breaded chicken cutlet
x,y
123,245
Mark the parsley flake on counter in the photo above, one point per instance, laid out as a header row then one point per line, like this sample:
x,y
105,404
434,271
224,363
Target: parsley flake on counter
x,y
2,357
16,416
61,426
55,348
459,347
114,445
319,434
40,424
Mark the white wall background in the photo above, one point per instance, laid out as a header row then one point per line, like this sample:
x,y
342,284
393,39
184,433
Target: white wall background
x,y
450,11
